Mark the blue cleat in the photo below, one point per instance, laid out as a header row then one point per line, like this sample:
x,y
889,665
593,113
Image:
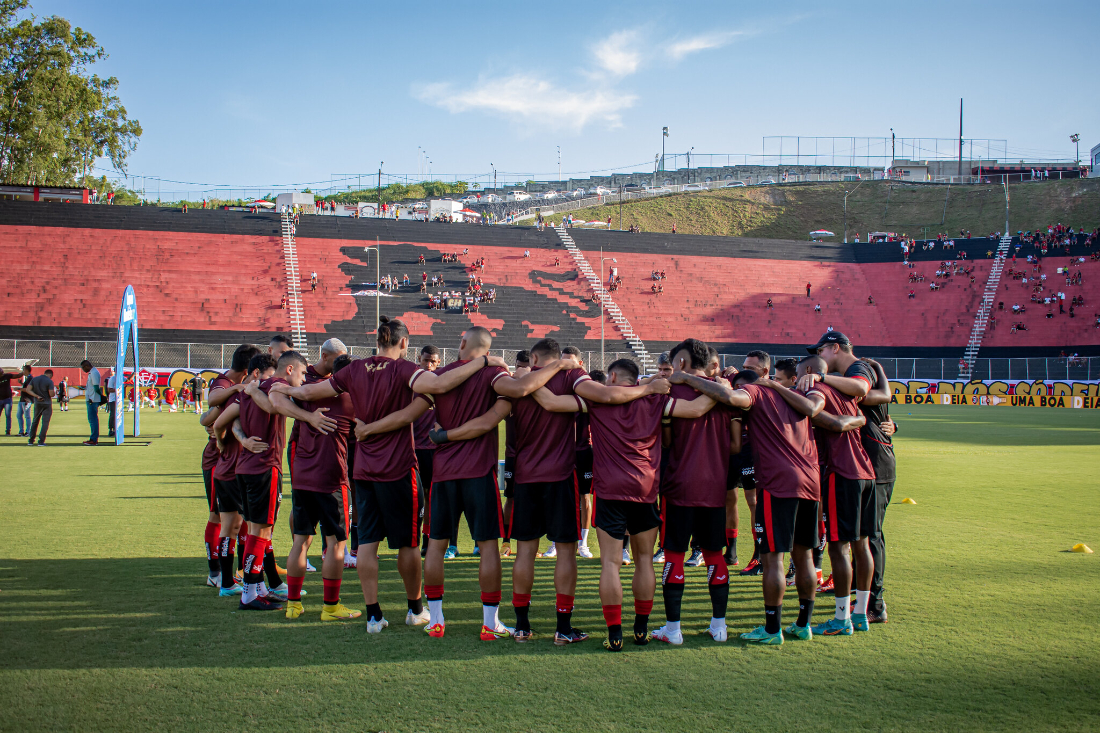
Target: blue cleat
x,y
760,636
803,633
234,590
451,553
859,622
834,627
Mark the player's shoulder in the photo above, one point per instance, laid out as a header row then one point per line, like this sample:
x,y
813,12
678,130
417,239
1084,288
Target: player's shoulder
x,y
861,368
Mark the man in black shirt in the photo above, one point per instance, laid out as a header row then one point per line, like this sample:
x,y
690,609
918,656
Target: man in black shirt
x,y
5,398
41,389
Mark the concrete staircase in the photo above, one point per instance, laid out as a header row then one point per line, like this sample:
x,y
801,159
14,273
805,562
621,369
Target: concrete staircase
x,y
293,281
604,297
981,318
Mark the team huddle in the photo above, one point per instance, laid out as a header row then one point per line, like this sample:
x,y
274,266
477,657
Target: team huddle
x,y
384,449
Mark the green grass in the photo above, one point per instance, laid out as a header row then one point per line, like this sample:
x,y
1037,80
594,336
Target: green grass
x,y
792,211
106,624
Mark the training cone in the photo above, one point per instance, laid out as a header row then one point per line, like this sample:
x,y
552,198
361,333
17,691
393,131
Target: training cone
x,y
907,500
1081,547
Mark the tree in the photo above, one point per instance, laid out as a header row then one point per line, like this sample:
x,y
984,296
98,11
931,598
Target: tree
x,y
56,117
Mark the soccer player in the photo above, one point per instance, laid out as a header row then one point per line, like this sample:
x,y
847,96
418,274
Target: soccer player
x,y
279,345
760,362
465,474
738,452
626,454
224,520
523,366
430,359
583,470
693,489
877,439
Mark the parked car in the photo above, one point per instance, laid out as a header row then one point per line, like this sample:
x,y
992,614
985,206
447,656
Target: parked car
x,y
602,191
631,186
766,182
694,187
577,193
734,184
491,198
658,189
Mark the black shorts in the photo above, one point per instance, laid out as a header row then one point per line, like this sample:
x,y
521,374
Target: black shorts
x,y
619,518
748,478
783,523
263,492
707,525
229,496
425,460
389,510
477,498
550,508
509,477
211,492
848,507
308,508
583,471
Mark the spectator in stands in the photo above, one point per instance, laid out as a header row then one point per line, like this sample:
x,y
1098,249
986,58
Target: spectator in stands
x,y
673,227
912,294
870,300
807,290
769,303
817,308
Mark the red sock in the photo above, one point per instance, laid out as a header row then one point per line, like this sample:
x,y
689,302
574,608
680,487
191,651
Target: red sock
x,y
332,590
613,615
210,537
518,599
643,608
731,533
294,588
674,568
491,598
717,570
433,592
564,603
253,559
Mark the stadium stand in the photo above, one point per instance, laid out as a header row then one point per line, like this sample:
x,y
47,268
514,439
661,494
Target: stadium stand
x,y
218,277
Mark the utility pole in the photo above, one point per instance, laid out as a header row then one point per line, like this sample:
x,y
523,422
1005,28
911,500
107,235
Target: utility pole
x,y
380,164
960,139
494,175
1076,140
620,207
1006,204
664,134
559,166
893,151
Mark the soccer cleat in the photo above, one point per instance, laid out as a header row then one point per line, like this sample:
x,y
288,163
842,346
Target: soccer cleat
x,y
552,552
375,627
669,637
659,556
238,577
790,574
753,568
876,618
834,627
339,612
235,590
280,593
573,637
349,560
500,632
451,553
643,638
506,550
804,633
695,560
475,553
309,567
260,604
759,635
522,635
613,645
214,581
626,557
718,633
826,585
436,630
294,609
583,551
417,619
859,622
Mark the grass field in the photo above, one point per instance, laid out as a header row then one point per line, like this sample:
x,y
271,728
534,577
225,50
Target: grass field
x,y
106,624
792,211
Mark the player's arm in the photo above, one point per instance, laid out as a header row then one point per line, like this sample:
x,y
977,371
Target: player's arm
x,y
852,386
809,405
474,428
838,423
695,408
881,393
735,436
718,390
432,383
558,403
217,397
604,394
226,418
283,405
394,421
207,418
516,387
306,392
249,443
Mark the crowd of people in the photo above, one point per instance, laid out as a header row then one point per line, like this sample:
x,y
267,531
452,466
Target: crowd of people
x,y
654,464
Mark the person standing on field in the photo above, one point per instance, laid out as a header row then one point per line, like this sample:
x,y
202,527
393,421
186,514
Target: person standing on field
x,y
92,397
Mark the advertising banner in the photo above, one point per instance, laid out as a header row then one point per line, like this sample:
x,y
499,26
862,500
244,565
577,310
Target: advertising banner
x,y
127,327
995,392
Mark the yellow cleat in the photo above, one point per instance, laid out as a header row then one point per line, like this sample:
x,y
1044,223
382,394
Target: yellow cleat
x,y
294,609
339,612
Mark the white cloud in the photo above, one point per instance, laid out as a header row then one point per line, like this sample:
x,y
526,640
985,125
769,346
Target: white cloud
x,y
705,42
617,53
531,100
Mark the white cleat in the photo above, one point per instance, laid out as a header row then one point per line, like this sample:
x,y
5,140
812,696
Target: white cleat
x,y
309,567
583,551
349,560
626,557
214,581
718,633
502,629
417,619
669,637
375,627
552,552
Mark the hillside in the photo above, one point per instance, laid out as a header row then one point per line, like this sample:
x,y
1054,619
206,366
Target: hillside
x,y
791,211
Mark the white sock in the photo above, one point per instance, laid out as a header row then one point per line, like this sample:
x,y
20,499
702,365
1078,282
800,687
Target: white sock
x,y
672,626
489,615
584,538
249,594
843,613
863,597
717,623
435,612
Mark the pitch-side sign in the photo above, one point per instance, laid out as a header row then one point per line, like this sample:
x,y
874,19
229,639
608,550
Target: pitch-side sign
x,y
127,325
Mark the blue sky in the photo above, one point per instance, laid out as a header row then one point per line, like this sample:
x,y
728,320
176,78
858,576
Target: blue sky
x,y
297,92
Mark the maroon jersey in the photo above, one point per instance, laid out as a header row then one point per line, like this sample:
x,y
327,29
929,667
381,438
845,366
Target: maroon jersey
x,y
474,397
784,452
846,455
546,441
626,447
320,461
271,429
226,467
584,433
422,427
699,455
210,452
380,386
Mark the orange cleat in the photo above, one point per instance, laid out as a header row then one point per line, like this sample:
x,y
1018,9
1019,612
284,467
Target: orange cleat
x,y
827,585
436,630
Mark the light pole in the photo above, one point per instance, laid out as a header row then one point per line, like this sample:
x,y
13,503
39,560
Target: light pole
x,y
1076,140
380,164
664,134
893,153
559,166
620,207
1006,203
494,176
377,280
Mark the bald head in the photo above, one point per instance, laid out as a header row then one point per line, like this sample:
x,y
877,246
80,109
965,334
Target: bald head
x,y
475,341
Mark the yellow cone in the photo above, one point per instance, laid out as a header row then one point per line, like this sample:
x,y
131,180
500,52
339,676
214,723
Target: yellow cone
x,y
1082,547
907,500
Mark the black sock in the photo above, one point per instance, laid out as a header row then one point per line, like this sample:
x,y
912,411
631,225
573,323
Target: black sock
x,y
353,539
615,633
731,545
773,618
416,605
240,554
226,562
719,599
674,596
424,547
641,624
805,611
271,570
523,622
374,612
565,622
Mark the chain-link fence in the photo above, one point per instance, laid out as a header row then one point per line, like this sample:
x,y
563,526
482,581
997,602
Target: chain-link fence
x,y
164,355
